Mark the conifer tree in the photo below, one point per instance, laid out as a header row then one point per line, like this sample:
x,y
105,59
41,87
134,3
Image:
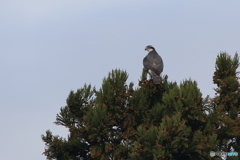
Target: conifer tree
x,y
226,104
176,128
99,122
152,121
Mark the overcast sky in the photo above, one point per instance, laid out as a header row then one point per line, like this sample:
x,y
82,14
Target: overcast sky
x,y
50,47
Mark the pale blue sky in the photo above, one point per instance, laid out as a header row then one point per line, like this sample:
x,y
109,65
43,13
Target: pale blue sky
x,y
49,47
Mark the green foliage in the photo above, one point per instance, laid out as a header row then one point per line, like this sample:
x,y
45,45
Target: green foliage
x,y
153,121
227,102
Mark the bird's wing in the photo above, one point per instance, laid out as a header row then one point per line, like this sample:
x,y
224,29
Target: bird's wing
x,y
153,62
158,64
147,63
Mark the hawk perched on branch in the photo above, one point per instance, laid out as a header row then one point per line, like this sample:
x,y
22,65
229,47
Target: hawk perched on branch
x,y
153,64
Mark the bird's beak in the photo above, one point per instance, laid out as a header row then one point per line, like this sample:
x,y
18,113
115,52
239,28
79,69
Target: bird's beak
x,y
145,48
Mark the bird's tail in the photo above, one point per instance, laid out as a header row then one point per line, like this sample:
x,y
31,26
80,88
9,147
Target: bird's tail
x,y
156,78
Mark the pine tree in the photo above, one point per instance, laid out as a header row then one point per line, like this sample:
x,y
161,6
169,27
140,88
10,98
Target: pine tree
x,y
152,121
180,130
99,122
226,102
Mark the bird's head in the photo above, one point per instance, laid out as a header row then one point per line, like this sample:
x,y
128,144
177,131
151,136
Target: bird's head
x,y
149,48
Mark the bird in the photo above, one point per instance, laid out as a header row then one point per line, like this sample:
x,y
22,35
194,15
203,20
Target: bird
x,y
153,63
